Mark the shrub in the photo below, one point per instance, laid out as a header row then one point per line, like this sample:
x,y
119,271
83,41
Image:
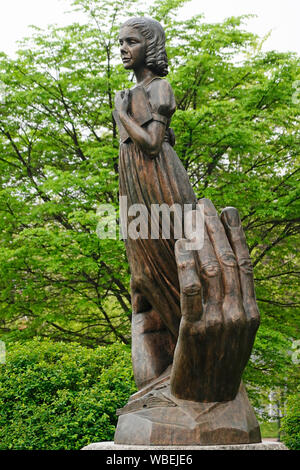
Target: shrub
x,y
61,396
291,423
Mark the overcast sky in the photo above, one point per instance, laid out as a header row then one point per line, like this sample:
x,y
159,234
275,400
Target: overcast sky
x,y
279,16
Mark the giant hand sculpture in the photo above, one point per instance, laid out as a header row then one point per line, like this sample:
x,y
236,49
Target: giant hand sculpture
x,y
219,312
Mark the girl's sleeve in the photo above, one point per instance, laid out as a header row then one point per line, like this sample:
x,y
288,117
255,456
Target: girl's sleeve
x,y
162,101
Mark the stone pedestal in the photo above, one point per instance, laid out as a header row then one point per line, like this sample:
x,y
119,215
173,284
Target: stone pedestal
x,y
111,446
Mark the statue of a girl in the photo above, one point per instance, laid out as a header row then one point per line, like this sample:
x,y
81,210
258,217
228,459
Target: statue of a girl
x,y
194,312
150,172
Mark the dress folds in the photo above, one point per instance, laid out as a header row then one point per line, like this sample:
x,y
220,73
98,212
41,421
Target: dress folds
x,y
160,180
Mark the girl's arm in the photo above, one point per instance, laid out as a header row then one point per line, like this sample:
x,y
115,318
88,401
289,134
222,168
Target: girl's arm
x,y
149,139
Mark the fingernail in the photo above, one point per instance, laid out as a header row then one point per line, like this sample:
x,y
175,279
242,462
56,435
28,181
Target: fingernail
x,y
209,208
232,217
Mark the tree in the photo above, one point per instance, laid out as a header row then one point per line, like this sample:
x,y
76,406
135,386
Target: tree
x,y
237,129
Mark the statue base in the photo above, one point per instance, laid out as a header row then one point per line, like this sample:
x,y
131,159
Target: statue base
x,y
153,417
111,446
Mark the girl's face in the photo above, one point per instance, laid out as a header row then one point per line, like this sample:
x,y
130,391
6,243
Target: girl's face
x,y
132,48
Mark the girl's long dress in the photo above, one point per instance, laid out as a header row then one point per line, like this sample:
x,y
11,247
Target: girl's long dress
x,y
147,181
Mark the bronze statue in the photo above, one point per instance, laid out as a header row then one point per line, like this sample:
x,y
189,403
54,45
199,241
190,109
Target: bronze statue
x,y
194,311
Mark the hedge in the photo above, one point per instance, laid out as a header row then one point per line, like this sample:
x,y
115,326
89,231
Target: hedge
x,y
291,423
58,396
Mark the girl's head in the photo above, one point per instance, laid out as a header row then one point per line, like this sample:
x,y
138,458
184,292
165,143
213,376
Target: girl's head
x,y
155,55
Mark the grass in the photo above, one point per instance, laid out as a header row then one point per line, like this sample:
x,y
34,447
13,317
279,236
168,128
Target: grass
x,y
269,429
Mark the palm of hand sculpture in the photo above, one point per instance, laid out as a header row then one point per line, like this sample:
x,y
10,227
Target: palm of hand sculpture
x,y
219,312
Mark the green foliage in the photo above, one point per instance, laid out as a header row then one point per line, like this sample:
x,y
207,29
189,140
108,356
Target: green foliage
x,y
58,396
291,423
270,368
268,429
237,130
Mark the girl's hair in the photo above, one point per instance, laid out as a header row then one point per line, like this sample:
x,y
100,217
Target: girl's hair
x,y
156,56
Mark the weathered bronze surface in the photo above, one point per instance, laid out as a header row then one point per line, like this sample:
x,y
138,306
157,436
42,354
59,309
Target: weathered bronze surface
x,y
194,311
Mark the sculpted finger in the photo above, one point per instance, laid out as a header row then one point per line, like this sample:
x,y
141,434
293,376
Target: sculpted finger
x,y
210,271
190,286
211,280
234,230
222,249
189,360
